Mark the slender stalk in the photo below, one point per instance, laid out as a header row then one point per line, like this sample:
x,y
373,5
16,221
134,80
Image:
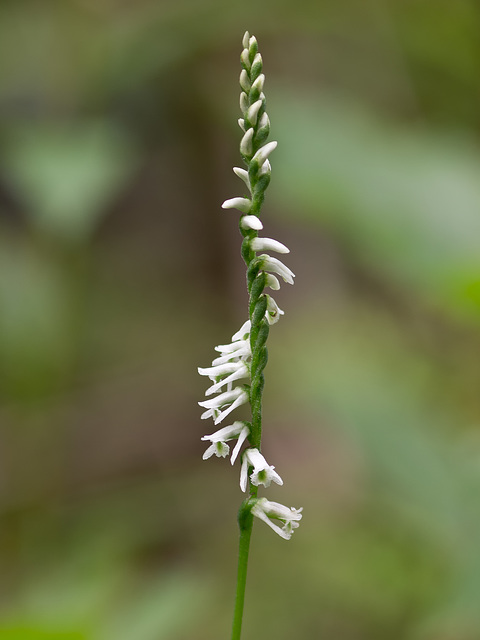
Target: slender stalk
x,y
243,550
245,522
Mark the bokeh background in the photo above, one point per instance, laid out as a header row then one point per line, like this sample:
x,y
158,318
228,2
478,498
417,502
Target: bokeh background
x,y
119,272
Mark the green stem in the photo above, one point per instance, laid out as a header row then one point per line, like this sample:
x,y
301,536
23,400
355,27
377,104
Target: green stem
x,y
245,521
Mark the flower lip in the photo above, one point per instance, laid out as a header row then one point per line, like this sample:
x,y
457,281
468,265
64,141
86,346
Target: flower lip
x,y
263,473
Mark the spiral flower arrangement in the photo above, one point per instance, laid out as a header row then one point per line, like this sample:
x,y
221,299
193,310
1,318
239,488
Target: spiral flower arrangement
x,y
237,373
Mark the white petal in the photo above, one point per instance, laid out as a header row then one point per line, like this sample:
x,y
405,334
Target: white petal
x,y
265,168
268,244
241,439
245,328
243,474
246,147
243,102
264,119
272,282
226,433
243,354
243,175
252,113
242,204
273,264
233,346
220,370
242,372
241,124
273,311
242,399
251,222
222,399
260,81
245,40
255,458
263,153
220,449
244,57
260,514
245,80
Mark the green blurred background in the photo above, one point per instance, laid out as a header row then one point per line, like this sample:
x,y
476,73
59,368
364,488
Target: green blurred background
x,y
119,272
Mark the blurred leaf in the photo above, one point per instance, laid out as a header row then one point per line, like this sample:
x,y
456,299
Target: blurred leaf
x,y
67,175
36,320
406,200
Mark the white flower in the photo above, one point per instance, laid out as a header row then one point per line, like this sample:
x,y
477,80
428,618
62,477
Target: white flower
x,y
263,153
244,80
264,119
246,143
220,407
290,517
242,204
251,222
268,244
273,264
243,102
241,371
272,282
219,438
273,311
244,331
238,349
252,113
265,168
260,81
263,473
243,175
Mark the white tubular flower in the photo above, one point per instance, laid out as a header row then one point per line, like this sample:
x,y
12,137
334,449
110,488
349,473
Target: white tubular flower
x,y
268,244
243,102
241,124
243,353
220,370
244,57
272,282
245,81
252,113
241,371
243,175
245,40
273,311
265,168
219,439
244,331
275,265
260,81
263,473
263,153
264,119
268,511
242,204
251,222
224,404
246,143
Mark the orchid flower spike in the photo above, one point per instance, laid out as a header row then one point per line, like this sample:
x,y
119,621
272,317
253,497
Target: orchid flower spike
x,y
236,374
